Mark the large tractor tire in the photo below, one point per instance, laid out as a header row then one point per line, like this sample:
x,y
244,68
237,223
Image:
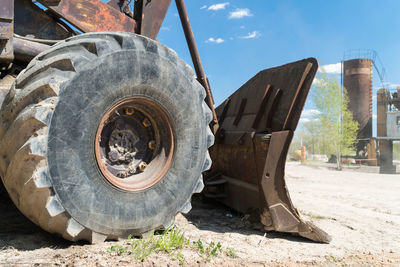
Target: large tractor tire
x,y
5,84
104,135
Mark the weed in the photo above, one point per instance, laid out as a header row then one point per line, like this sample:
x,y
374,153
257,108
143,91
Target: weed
x,y
334,259
207,252
117,248
231,252
199,245
214,249
170,242
141,248
180,257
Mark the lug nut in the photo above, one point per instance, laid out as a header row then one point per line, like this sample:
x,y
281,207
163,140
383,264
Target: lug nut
x,y
146,123
142,166
129,111
152,145
113,156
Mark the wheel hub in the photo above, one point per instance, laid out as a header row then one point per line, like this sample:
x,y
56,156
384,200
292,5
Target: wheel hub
x,y
132,136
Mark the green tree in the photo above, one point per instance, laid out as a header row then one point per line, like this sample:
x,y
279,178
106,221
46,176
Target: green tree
x,y
313,137
335,121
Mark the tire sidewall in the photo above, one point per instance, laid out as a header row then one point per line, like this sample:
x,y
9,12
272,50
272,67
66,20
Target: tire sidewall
x,y
84,193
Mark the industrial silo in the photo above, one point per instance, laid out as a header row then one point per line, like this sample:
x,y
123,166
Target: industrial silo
x,y
357,79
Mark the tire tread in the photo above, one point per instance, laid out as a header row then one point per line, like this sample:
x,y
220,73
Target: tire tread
x,y
27,110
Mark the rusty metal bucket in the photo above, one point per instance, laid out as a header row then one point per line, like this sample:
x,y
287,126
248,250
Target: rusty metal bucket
x,y
256,125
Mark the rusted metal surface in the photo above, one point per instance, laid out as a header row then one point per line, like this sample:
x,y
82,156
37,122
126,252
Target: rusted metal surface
x,y
261,109
250,154
357,79
201,77
122,6
153,14
32,21
285,217
6,32
91,15
273,107
130,150
382,102
25,50
298,101
114,4
222,116
240,111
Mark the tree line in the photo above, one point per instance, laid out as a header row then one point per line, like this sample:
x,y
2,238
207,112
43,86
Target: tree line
x,y
332,130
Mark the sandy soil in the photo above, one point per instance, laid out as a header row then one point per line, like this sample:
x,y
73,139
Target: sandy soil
x,y
361,211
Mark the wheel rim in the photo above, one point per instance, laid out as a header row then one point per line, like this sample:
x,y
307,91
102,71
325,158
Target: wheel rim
x,y
134,144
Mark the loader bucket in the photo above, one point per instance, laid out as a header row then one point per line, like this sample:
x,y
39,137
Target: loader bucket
x,y
256,125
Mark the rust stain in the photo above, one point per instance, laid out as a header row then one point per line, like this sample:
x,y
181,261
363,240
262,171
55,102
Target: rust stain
x,y
93,16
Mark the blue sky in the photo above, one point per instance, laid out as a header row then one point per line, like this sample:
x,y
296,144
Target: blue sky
x,y
236,39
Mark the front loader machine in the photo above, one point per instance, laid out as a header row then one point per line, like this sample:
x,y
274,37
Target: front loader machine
x,y
105,133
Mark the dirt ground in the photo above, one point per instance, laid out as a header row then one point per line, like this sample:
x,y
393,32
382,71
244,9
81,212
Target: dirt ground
x,y
361,211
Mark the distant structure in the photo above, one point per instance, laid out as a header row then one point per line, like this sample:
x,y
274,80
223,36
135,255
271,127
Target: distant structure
x,y
388,127
357,67
357,79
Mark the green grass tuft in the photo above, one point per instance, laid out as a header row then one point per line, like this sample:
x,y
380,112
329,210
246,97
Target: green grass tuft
x,y
231,252
171,242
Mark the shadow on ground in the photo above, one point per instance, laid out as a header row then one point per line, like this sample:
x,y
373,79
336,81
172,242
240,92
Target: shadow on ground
x,y
16,231
211,215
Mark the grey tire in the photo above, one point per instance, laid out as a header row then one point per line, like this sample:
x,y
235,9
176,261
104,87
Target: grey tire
x,y
49,121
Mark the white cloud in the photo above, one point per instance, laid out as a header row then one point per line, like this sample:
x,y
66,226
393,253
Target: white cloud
x,y
374,116
307,115
203,7
165,29
392,86
251,35
213,40
218,6
304,120
331,68
240,13
387,85
316,81
310,112
242,27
